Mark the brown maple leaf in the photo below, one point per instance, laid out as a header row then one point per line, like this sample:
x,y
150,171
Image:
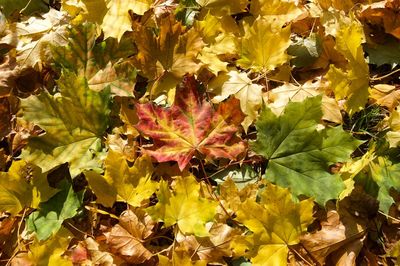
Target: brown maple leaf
x,y
127,238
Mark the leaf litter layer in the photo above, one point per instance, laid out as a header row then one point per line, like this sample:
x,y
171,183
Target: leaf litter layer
x,y
199,132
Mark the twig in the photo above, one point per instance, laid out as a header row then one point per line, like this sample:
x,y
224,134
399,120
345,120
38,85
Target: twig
x,y
385,76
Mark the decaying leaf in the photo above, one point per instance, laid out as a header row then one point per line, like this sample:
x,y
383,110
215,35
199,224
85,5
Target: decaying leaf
x,y
337,235
127,238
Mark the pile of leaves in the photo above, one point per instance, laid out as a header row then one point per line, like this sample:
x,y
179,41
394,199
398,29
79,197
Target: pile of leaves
x,y
199,132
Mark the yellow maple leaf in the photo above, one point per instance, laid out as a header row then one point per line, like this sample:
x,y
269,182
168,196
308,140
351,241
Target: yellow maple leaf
x,y
282,10
238,84
223,7
351,84
121,182
22,186
50,252
117,19
219,35
276,223
184,206
264,45
393,136
280,96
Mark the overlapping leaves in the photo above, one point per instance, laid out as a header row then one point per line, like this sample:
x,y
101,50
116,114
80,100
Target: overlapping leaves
x,y
124,129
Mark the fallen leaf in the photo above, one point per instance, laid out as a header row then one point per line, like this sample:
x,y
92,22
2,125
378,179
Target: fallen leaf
x,y
191,126
238,84
128,237
340,238
183,206
264,45
276,223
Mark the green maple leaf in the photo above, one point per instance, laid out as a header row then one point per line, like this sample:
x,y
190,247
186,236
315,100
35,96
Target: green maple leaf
x,y
47,220
74,120
298,154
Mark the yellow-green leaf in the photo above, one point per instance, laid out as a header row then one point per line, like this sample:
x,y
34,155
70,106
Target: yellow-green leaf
x,y
183,206
132,185
351,84
22,186
276,223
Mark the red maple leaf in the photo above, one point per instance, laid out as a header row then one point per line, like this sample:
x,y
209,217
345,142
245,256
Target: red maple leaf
x,y
191,125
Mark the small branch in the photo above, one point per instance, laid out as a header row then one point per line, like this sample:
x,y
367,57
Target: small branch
x,y
385,76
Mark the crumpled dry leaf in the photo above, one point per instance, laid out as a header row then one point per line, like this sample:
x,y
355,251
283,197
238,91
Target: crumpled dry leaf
x,y
32,38
386,95
384,13
212,248
5,117
341,238
98,256
7,75
128,237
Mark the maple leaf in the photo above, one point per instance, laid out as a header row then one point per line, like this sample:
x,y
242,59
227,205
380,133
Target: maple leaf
x,y
383,13
184,206
100,63
282,95
352,84
238,84
393,136
264,45
298,154
337,233
48,219
223,7
220,35
387,175
128,236
211,248
50,252
74,121
386,95
22,186
89,10
166,58
121,182
281,10
117,19
32,38
191,126
276,223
